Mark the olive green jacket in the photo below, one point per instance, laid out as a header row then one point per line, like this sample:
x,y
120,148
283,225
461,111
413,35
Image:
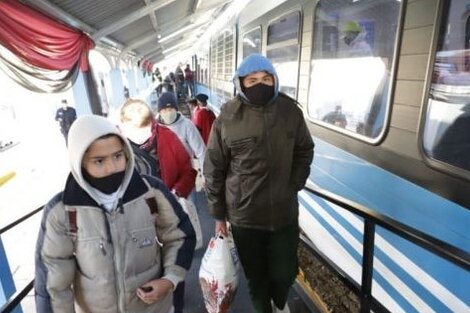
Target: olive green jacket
x,y
257,159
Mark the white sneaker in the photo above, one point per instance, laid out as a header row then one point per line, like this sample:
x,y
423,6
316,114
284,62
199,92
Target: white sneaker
x,y
277,310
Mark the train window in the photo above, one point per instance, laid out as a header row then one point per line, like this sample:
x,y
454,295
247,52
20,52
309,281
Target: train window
x,y
446,136
283,50
285,28
252,42
222,65
352,56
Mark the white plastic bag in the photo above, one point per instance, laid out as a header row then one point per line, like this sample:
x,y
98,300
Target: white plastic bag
x,y
218,274
191,210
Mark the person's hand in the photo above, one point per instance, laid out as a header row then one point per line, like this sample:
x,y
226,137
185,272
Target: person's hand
x,y
221,227
154,290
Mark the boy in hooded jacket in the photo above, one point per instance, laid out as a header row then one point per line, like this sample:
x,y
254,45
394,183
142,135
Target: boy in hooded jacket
x,y
97,249
258,157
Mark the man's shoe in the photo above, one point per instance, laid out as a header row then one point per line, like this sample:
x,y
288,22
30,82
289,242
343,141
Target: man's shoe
x,y
278,310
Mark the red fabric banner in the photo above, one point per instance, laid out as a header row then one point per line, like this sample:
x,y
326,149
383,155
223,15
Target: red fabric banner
x,y
40,40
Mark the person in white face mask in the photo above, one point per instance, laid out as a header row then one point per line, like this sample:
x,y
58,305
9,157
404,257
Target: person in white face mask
x,y
173,121
188,134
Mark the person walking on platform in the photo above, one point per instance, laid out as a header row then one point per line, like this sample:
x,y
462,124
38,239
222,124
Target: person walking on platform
x,y
203,117
153,141
188,134
65,115
189,79
148,138
97,249
180,87
258,158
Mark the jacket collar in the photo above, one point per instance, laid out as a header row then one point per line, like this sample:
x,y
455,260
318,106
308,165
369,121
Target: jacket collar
x,y
75,195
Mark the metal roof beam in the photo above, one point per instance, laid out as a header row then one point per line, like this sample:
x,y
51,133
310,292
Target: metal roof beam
x,y
134,16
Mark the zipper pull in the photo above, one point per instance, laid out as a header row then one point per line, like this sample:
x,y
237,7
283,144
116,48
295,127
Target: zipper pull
x,y
103,250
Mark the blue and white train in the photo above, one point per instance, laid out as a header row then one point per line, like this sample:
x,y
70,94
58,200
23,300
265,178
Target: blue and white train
x,y
384,85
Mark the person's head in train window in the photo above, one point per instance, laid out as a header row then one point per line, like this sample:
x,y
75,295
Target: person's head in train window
x,y
256,80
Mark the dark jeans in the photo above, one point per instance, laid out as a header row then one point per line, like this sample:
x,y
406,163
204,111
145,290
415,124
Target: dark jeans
x,y
269,259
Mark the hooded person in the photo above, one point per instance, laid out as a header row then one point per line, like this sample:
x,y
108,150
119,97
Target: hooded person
x,y
203,117
258,158
97,249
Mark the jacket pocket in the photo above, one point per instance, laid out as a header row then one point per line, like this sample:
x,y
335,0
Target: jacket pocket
x,y
244,154
142,249
93,257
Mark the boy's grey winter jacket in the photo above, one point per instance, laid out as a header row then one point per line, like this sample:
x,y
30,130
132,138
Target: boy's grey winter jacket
x,y
116,251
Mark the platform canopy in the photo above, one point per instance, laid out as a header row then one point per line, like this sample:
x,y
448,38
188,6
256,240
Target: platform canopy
x,y
146,29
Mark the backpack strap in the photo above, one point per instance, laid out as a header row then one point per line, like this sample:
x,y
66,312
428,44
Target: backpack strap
x,y
152,204
152,201
73,228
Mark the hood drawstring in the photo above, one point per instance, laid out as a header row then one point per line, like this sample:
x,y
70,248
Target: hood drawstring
x,y
120,206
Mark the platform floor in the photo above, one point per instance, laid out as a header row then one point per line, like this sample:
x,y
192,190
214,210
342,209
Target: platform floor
x,y
193,295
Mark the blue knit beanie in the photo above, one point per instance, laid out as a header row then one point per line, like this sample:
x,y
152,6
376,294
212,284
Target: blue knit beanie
x,y
167,100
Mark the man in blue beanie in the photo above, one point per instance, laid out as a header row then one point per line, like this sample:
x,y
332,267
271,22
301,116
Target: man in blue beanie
x,y
258,157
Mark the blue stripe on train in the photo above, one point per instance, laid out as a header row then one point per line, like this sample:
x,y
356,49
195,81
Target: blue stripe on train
x,y
353,178
402,302
388,262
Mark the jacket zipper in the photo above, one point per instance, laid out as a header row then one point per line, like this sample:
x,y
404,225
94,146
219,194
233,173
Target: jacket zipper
x,y
268,144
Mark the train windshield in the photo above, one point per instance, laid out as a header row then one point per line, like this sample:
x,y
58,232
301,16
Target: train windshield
x,y
352,58
447,126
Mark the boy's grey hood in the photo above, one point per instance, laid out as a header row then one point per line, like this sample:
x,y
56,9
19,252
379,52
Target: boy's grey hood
x,y
84,131
255,63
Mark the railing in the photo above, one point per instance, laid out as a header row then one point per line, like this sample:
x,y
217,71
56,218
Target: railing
x,y
15,300
453,254
450,253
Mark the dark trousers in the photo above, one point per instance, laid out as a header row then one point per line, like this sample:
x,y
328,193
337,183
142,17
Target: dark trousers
x,y
269,259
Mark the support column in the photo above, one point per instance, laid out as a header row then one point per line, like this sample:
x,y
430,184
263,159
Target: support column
x,y
132,82
82,104
7,285
117,98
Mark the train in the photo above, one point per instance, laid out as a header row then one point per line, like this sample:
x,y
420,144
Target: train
x,y
384,86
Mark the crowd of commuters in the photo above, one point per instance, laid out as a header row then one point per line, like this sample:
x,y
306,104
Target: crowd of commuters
x,y
116,239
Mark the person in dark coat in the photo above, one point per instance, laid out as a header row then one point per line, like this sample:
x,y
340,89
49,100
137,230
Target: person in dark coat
x,y
258,157
65,115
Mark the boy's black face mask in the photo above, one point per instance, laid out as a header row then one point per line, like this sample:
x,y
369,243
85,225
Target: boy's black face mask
x,y
259,94
107,184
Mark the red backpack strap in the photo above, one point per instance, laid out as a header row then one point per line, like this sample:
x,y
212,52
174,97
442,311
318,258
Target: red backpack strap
x,y
152,201
73,228
152,204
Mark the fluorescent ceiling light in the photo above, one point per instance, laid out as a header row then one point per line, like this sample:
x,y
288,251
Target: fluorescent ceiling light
x,y
174,47
177,33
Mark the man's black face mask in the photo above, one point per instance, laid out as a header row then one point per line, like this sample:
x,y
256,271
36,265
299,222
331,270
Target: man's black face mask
x,y
107,184
259,94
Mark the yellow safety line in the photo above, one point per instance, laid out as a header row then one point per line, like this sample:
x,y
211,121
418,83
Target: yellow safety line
x,y
6,177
